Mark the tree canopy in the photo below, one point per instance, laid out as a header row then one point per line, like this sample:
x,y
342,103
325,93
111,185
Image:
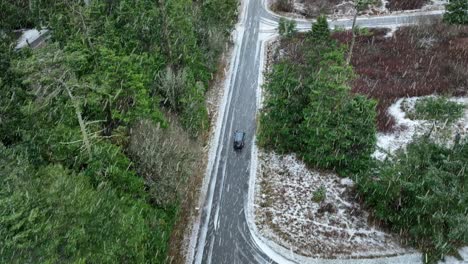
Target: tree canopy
x,y
456,12
310,110
77,182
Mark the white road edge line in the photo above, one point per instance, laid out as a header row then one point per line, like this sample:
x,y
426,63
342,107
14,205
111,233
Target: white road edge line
x,y
193,254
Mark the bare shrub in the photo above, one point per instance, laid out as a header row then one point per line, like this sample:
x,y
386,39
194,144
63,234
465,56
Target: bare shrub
x,y
171,86
314,8
164,157
284,5
429,58
396,5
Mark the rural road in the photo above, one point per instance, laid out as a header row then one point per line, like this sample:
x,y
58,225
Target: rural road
x,y
223,234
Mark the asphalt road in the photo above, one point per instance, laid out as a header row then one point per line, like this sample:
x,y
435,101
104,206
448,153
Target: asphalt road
x,y
223,234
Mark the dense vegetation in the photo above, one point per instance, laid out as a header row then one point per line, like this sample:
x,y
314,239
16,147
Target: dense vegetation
x,y
91,165
286,27
422,194
456,12
309,109
436,109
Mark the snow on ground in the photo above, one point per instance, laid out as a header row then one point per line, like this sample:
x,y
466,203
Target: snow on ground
x,y
336,227
29,36
345,9
435,5
452,260
390,32
407,129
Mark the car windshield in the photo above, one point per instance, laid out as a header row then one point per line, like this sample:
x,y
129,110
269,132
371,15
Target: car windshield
x,y
238,136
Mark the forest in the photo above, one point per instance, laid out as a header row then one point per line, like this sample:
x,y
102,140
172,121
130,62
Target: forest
x,y
100,128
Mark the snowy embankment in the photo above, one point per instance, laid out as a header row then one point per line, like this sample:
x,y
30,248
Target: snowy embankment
x,y
407,129
336,227
345,8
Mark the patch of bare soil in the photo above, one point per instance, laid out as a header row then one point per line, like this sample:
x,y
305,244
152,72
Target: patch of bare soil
x,y
336,226
431,58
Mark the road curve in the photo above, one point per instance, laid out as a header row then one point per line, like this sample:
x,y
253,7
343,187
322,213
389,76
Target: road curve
x,y
223,234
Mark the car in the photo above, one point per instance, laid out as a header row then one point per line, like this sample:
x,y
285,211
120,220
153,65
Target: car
x,y
239,137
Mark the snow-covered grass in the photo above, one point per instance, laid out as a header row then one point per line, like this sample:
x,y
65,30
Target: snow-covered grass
x,y
407,129
435,5
336,227
452,260
345,9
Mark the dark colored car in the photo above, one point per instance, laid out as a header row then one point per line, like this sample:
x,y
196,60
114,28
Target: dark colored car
x,y
239,140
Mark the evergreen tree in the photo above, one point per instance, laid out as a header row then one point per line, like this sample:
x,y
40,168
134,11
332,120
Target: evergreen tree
x,y
421,193
80,96
456,12
286,27
308,108
320,30
338,129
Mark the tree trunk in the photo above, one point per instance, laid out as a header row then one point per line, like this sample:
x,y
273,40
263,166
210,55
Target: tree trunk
x,y
165,29
351,47
80,121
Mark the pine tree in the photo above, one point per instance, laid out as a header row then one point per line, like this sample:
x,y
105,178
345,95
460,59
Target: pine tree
x,y
286,27
457,12
320,30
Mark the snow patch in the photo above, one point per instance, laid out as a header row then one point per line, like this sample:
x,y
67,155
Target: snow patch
x,y
452,260
390,32
407,129
336,227
29,36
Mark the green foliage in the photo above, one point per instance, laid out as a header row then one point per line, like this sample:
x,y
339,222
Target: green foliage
x,y
362,31
72,187
436,109
309,110
112,167
15,14
422,194
320,194
341,134
320,30
282,107
212,16
11,93
286,27
52,215
123,84
194,114
456,12
364,4
339,29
